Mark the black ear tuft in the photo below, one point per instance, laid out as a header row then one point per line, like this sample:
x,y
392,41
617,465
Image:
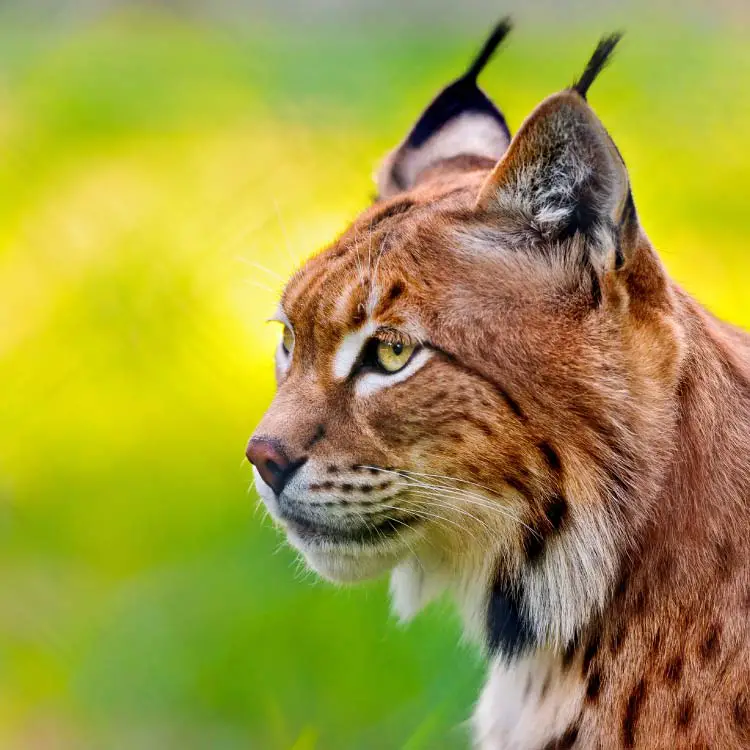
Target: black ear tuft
x,y
596,64
501,30
460,122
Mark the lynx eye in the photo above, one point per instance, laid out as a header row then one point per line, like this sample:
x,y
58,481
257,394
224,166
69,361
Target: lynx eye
x,y
393,356
287,340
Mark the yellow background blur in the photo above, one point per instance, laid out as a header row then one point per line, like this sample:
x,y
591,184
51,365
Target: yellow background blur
x,y
161,173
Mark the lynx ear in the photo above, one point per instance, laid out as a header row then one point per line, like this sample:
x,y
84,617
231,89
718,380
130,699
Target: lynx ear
x,y
461,123
562,173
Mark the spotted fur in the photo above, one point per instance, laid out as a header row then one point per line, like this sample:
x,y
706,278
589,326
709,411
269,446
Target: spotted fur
x,y
565,453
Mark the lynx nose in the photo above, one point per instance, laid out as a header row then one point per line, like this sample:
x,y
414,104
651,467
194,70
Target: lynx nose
x,y
272,463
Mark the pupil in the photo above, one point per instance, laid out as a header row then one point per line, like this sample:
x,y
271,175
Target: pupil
x,y
398,348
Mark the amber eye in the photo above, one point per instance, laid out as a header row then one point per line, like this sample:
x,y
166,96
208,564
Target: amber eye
x,y
393,356
287,340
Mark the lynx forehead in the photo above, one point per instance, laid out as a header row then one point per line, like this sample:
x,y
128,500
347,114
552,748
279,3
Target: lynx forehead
x,y
489,385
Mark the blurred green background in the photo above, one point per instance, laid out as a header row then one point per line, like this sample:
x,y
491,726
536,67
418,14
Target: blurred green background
x,y
162,170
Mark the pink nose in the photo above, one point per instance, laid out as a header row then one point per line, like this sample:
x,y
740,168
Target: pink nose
x,y
272,463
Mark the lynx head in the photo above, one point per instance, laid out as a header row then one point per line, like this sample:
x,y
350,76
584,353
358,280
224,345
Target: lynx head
x,y
460,393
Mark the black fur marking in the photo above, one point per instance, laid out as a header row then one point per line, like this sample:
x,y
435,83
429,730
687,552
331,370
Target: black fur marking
x,y
598,61
565,741
537,534
320,433
590,653
508,633
594,686
459,97
501,30
709,649
551,457
395,291
685,713
673,670
512,404
632,711
596,287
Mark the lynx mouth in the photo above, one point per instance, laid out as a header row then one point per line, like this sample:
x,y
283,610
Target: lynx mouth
x,y
317,531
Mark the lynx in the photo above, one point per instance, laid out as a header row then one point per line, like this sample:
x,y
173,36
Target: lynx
x,y
490,386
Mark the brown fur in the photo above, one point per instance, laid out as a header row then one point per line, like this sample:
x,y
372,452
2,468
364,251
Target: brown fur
x,y
576,393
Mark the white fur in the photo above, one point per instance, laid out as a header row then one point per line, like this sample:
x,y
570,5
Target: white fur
x,y
516,713
350,348
572,583
471,134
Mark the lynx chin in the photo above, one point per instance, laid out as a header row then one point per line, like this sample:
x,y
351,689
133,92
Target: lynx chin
x,y
489,386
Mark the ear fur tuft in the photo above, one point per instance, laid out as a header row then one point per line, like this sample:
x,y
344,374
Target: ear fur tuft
x,y
599,60
460,126
501,30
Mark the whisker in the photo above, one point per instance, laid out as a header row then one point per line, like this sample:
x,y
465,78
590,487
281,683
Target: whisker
x,y
258,266
468,497
264,287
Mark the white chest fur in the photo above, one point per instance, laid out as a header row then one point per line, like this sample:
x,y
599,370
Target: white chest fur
x,y
527,703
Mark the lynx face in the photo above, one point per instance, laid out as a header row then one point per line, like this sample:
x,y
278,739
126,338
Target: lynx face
x,y
397,415
458,376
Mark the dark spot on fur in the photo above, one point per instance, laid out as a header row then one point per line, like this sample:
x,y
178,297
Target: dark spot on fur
x,y
518,485
588,655
685,713
537,534
565,741
594,686
332,469
618,638
709,648
725,558
486,429
512,404
346,487
508,633
326,485
656,642
632,712
320,433
551,457
673,670
456,437
568,739
366,488
395,291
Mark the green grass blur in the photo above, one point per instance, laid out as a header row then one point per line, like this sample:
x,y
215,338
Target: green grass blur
x,y
158,181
